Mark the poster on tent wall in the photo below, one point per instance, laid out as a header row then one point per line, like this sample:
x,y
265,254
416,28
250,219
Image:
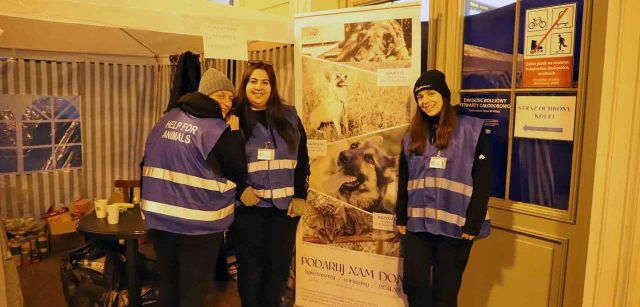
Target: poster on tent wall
x,y
355,70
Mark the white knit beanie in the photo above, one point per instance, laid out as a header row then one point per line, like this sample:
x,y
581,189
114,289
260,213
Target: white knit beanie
x,y
212,81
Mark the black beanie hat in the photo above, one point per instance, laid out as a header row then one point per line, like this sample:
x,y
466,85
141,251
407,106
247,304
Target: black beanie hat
x,y
432,80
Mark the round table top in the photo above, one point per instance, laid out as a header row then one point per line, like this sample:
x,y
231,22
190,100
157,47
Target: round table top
x,y
130,225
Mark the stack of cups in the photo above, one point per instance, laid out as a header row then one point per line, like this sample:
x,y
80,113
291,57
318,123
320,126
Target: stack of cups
x,y
100,208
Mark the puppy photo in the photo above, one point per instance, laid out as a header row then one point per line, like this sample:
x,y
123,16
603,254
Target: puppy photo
x,y
332,108
339,101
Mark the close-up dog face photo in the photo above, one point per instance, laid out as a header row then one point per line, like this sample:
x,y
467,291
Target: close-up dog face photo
x,y
366,173
361,171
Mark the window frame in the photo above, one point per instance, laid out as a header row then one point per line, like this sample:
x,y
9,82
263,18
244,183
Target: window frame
x,y
562,215
52,120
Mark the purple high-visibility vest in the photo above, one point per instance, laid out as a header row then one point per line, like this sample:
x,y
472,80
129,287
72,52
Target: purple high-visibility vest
x,y
180,191
439,198
272,179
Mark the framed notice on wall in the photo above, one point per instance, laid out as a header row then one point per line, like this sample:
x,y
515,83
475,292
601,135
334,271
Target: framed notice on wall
x,y
545,117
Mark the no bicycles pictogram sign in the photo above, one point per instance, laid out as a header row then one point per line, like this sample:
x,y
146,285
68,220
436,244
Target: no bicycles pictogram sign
x,y
549,43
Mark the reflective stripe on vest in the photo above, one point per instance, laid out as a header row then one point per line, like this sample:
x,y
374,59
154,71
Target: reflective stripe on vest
x,y
441,183
271,165
438,199
439,215
275,193
194,181
185,213
272,179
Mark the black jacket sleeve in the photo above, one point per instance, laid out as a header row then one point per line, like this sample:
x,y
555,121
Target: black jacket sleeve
x,y
403,195
482,174
302,171
228,157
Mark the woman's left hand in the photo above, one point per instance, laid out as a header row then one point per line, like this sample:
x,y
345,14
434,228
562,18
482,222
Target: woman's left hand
x,y
468,237
233,122
296,207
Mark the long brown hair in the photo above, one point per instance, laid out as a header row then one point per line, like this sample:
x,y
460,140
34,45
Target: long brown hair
x,y
275,110
419,128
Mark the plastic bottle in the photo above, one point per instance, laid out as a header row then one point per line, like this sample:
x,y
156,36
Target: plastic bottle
x,y
96,265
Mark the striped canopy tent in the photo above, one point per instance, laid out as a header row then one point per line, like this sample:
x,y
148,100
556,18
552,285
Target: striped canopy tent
x,y
112,57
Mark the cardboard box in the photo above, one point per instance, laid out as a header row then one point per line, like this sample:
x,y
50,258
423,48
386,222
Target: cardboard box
x,y
62,227
64,217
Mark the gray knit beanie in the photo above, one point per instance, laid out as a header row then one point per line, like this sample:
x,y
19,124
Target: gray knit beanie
x,y
212,81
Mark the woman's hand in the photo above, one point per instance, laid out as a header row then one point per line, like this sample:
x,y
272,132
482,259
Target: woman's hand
x,y
402,229
249,197
468,237
234,122
296,207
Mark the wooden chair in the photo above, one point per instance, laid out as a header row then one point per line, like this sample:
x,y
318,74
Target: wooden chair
x,y
127,187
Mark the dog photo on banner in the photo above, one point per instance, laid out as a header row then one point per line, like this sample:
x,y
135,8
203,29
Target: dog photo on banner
x,y
338,72
352,183
356,70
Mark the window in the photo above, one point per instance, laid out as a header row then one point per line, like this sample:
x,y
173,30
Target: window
x,y
520,69
46,137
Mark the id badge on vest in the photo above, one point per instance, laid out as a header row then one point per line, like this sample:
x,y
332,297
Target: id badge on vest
x,y
266,154
438,161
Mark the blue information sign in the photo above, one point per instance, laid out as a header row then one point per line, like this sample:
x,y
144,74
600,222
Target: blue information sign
x,y
494,109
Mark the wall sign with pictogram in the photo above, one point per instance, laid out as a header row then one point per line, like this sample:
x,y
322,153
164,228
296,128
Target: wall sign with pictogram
x,y
548,47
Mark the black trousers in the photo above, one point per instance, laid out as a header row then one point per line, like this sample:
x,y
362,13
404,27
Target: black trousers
x,y
433,267
264,240
186,265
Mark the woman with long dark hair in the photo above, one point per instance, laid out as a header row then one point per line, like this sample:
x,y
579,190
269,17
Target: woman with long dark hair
x,y
278,171
443,189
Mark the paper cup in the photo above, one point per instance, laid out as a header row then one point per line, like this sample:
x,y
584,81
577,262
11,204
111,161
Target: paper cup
x,y
113,214
100,207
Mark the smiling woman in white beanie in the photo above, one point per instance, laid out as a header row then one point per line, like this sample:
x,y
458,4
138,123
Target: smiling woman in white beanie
x,y
193,165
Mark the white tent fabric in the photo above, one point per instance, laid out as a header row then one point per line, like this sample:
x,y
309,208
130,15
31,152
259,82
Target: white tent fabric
x,y
123,90
119,104
176,16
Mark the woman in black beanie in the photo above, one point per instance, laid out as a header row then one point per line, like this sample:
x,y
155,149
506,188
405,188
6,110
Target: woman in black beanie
x,y
443,189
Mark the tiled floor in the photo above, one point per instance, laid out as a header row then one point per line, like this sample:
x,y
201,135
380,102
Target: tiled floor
x,y
41,285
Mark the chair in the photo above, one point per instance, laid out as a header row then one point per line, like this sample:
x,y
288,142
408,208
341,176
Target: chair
x,y
127,187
